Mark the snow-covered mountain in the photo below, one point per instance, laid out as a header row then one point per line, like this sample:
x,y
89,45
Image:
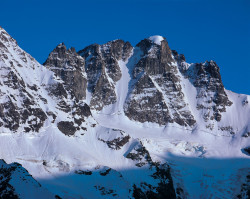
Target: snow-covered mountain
x,y
117,121
16,182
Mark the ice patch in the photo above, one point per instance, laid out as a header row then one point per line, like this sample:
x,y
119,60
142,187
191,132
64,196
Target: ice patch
x,y
156,39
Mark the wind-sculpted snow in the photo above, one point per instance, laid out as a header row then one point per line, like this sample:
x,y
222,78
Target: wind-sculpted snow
x,y
117,121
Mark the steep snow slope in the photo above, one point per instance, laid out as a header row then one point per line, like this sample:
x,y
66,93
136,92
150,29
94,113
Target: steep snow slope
x,y
78,152
15,182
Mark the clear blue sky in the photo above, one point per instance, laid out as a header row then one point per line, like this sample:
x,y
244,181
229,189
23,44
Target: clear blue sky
x,y
200,29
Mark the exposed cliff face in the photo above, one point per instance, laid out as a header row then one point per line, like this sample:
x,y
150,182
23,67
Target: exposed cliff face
x,y
210,90
103,71
157,94
69,66
70,90
211,97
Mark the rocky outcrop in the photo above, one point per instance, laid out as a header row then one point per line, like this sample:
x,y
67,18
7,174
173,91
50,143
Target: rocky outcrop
x,y
210,90
114,138
246,150
163,190
70,90
69,67
212,99
104,93
66,127
103,71
158,173
140,155
157,94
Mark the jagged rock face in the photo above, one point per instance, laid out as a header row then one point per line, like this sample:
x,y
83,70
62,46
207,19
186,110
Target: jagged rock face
x,y
164,187
157,94
103,71
149,104
114,138
210,87
156,59
140,155
104,93
69,66
212,99
15,181
19,107
31,95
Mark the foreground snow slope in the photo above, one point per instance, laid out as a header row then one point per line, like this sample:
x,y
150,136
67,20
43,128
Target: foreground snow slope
x,y
17,183
123,122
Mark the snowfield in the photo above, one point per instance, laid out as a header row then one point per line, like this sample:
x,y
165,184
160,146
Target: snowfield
x,y
204,163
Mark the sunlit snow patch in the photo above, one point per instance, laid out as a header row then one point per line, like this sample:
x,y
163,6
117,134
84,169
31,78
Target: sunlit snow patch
x,y
156,39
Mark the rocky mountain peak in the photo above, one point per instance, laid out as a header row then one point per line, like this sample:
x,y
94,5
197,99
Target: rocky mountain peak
x,y
103,70
61,50
212,99
157,68
113,111
212,68
152,40
156,39
118,48
69,67
61,45
157,73
6,38
178,57
63,57
156,47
